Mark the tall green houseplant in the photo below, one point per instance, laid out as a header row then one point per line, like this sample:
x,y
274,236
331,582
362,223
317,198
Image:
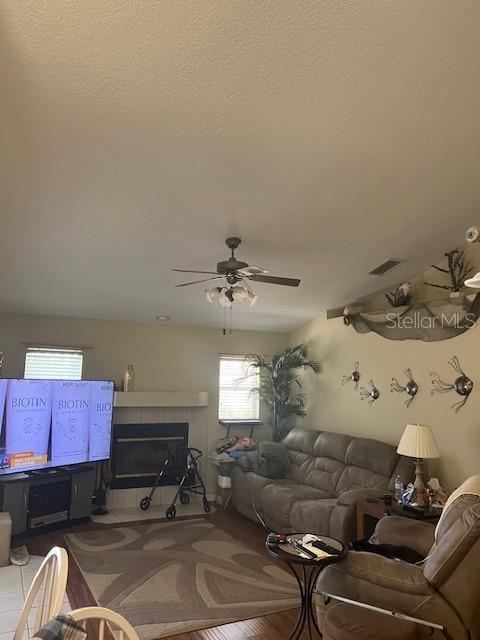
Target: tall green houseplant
x,y
279,387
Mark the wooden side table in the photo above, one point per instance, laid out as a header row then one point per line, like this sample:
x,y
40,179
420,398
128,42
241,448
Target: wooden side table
x,y
369,513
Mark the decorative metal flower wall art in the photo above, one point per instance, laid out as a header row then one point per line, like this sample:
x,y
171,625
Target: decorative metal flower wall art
x,y
410,387
370,393
463,385
353,377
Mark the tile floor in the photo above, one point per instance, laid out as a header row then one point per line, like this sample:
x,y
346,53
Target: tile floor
x,y
14,585
130,514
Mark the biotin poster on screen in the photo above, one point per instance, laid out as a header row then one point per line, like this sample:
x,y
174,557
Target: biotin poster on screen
x,y
70,422
101,398
28,422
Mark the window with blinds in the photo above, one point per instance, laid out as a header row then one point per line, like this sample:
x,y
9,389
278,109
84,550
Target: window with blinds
x,y
237,379
53,363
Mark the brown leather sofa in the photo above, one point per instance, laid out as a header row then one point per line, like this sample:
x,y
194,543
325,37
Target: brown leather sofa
x,y
327,473
444,589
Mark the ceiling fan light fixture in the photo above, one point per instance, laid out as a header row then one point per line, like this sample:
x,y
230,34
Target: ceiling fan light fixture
x,y
224,300
252,298
213,294
240,292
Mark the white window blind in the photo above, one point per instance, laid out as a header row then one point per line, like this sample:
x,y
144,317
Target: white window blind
x,y
236,399
53,363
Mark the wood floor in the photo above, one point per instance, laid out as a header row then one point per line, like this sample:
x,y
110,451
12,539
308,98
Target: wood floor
x,y
276,626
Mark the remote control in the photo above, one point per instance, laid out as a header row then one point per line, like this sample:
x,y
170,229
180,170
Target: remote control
x,y
319,544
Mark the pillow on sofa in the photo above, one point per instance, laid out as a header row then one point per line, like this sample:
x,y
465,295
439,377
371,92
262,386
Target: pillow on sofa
x,y
249,461
272,460
269,461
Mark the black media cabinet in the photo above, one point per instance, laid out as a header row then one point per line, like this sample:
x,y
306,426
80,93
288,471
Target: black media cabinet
x,y
38,499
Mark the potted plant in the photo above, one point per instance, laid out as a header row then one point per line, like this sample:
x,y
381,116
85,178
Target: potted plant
x,y
279,386
459,269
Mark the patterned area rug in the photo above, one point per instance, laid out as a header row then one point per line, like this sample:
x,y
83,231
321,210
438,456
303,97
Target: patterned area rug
x,y
173,577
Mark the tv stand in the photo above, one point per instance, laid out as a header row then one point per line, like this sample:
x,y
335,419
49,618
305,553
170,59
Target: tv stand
x,y
37,499
43,473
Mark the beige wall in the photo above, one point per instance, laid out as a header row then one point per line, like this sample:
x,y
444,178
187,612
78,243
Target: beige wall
x,y
166,358
186,359
339,408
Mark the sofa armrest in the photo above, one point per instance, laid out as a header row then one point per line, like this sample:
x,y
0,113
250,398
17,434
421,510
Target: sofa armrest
x,y
376,570
352,497
405,532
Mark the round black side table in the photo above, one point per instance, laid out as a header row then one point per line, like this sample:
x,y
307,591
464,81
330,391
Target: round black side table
x,y
306,571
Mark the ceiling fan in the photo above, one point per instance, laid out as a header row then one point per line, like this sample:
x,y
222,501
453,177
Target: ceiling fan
x,y
236,273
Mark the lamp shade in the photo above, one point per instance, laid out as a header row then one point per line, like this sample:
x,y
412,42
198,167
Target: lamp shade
x,y
418,441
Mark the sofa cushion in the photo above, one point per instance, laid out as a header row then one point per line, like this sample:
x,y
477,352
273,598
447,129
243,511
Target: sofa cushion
x,y
321,473
405,532
312,516
301,440
358,478
299,466
376,456
278,498
331,445
375,569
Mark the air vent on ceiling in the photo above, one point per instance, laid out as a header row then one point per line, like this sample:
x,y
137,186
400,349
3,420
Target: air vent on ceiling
x,y
386,266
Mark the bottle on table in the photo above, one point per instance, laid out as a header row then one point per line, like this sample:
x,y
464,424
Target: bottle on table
x,y
398,489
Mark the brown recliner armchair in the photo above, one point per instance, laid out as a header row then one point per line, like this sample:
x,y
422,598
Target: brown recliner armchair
x,y
444,589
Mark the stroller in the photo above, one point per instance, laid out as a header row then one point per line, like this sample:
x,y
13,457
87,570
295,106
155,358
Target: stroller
x,y
189,481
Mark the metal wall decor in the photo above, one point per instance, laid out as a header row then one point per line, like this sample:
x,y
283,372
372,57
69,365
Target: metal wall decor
x,y
410,387
369,393
353,377
463,385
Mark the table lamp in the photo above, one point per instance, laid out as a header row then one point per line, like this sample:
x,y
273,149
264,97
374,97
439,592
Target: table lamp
x,y
418,442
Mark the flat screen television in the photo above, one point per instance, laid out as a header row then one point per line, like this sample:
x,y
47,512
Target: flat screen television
x,y
52,423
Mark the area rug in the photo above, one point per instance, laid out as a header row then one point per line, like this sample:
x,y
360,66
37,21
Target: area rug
x,y
174,577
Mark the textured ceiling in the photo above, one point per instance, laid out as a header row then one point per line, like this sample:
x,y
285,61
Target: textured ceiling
x,y
136,136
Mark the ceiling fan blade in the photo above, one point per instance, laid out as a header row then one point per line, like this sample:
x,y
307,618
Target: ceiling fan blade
x,y
186,284
288,282
213,273
335,313
253,270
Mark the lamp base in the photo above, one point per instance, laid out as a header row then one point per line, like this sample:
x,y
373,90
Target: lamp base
x,y
418,485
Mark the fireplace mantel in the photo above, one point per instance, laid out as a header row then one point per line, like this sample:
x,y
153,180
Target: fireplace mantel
x,y
161,399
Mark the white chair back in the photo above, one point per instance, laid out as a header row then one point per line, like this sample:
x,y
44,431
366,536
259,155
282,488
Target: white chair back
x,y
118,626
49,584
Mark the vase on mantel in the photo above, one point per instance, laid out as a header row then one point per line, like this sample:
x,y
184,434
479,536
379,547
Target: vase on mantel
x,y
128,378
